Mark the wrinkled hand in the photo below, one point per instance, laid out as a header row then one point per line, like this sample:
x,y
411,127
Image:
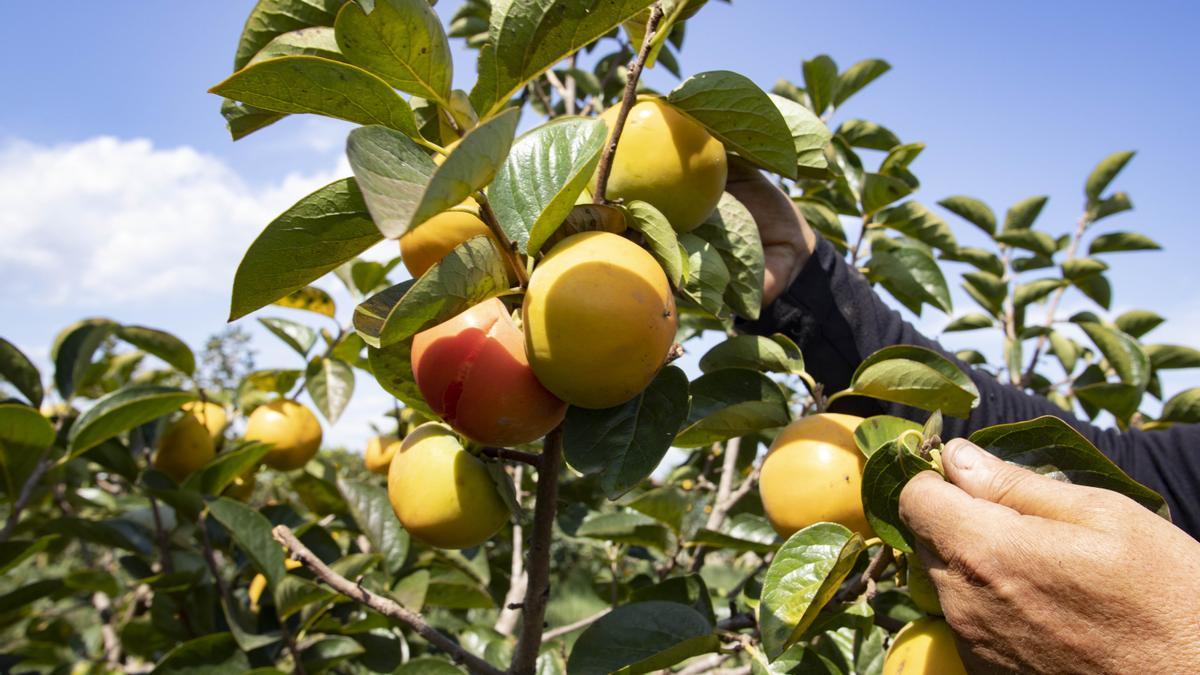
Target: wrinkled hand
x,y
787,239
1036,575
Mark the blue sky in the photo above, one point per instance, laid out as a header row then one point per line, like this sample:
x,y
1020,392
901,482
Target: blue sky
x,y
125,198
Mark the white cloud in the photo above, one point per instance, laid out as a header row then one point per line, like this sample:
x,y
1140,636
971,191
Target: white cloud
x,y
121,220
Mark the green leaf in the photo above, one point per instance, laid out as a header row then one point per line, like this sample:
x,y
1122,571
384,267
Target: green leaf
x,y
165,346
19,371
876,432
883,480
1138,322
24,428
310,84
330,383
527,38
689,591
864,134
1114,242
393,172
1078,268
318,233
271,18
1048,445
73,350
915,376
121,411
372,512
392,368
625,444
1120,399
211,654
295,593
899,159
1022,214
659,237
543,176
979,258
640,638
1034,291
1030,240
732,230
470,166
822,219
708,276
973,211
1121,351
988,289
626,527
732,402
809,134
296,335
428,665
1183,407
972,321
16,551
857,76
1096,287
311,41
741,116
469,274
243,120
1117,203
909,271
1104,173
804,575
225,467
821,82
1169,357
331,650
251,531
402,42
743,532
667,504
775,354
913,219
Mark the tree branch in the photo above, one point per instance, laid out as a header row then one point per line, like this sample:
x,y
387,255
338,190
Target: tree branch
x,y
874,569
537,570
572,627
507,621
26,494
725,498
386,606
509,249
513,455
635,73
1052,308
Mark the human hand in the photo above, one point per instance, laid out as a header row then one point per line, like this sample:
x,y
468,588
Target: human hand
x,y
1037,575
787,239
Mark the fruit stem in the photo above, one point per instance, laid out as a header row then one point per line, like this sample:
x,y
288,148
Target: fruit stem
x,y
385,606
537,570
635,73
509,249
512,455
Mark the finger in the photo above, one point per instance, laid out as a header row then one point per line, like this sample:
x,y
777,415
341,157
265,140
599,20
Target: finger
x,y
946,519
985,476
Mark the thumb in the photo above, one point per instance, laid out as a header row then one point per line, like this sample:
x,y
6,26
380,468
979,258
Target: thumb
x,y
985,476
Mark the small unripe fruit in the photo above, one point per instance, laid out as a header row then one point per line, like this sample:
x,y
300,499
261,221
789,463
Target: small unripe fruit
x,y
211,415
473,372
380,450
924,647
599,319
920,587
441,493
669,160
813,473
291,429
184,447
425,245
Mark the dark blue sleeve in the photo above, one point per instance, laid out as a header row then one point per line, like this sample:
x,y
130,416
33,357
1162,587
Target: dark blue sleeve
x,y
832,312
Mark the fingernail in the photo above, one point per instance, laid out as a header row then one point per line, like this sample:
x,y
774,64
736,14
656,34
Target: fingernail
x,y
966,456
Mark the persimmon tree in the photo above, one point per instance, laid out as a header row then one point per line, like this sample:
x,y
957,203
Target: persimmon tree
x,y
531,363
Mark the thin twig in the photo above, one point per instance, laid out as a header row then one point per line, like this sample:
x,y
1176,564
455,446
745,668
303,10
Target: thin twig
x,y
572,627
738,622
509,248
26,493
704,664
290,639
1052,308
537,570
596,102
529,458
507,621
874,570
635,72
386,606
721,503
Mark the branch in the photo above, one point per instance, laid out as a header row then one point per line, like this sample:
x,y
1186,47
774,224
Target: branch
x,y
26,494
595,102
1052,308
507,621
386,606
702,665
537,571
529,458
722,502
572,627
635,73
509,248
738,622
876,567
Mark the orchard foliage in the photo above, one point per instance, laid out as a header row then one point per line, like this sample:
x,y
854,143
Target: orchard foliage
x,y
609,560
